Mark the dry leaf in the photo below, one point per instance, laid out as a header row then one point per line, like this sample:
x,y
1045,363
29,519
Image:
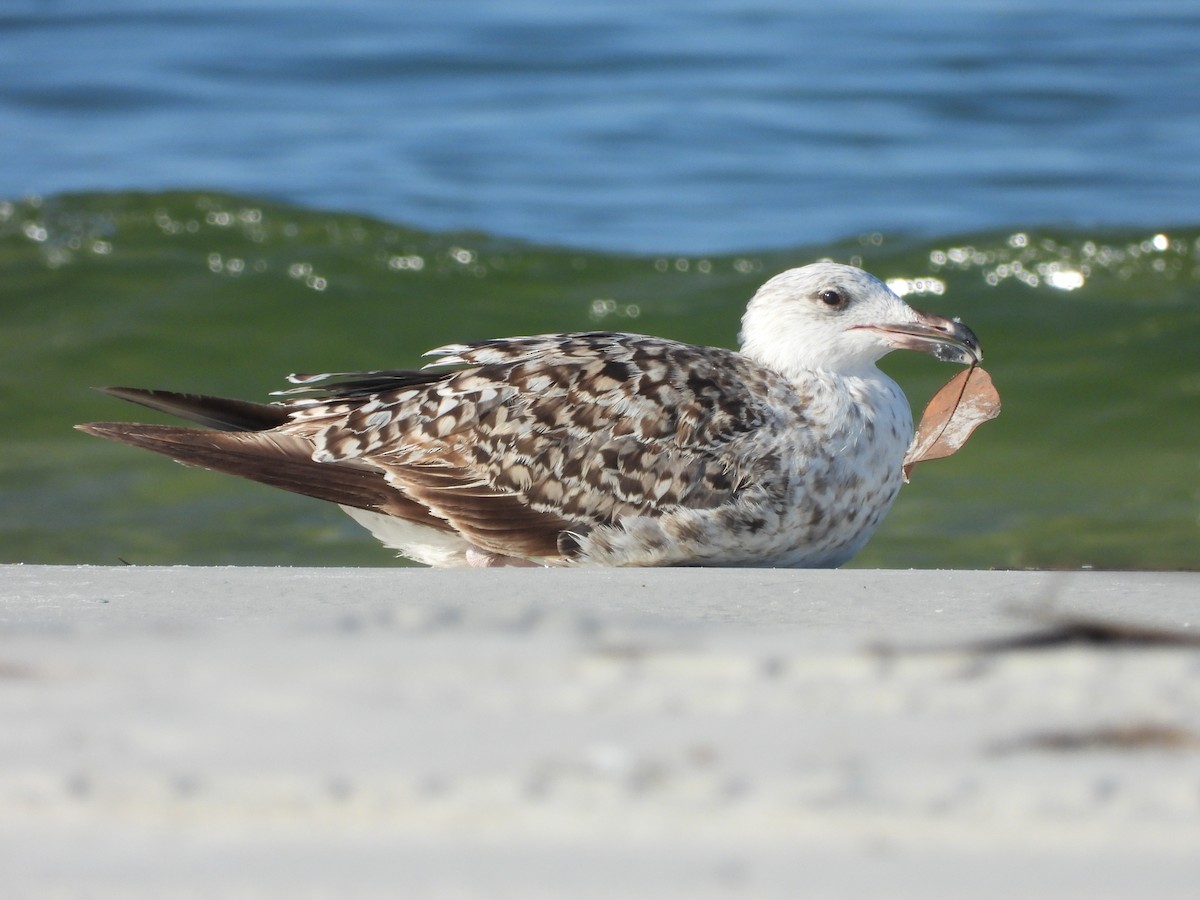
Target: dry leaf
x,y
964,403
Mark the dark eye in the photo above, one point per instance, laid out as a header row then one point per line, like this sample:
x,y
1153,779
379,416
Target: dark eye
x,y
832,298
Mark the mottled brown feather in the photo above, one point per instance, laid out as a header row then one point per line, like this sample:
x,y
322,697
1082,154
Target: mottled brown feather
x,y
534,436
510,443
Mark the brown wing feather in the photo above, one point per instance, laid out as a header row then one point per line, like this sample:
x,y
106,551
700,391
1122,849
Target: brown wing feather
x,y
537,436
514,444
500,522
215,412
280,460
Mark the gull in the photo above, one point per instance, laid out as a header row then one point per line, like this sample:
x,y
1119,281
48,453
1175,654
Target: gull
x,y
601,448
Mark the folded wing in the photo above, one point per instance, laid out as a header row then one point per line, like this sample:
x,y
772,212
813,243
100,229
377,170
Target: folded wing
x,y
515,444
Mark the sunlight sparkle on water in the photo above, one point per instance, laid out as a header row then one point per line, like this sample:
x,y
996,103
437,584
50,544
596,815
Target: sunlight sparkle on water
x,y
902,287
410,263
603,308
1064,279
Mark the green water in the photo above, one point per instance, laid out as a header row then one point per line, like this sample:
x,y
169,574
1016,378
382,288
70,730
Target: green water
x,y
1094,461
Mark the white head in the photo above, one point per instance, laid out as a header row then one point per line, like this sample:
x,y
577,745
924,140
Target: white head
x,y
839,318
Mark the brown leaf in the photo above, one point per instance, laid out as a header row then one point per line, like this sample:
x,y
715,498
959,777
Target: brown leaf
x,y
964,403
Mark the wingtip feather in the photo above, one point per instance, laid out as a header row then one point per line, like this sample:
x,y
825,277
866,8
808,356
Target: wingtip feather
x,y
220,413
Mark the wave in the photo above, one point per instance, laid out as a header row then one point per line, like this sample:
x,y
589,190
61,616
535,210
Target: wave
x,y
1090,335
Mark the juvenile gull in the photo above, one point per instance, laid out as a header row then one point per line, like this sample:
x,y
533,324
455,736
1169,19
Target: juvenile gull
x,y
600,448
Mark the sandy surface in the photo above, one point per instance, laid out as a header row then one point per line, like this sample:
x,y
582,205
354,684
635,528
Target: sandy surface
x,y
315,732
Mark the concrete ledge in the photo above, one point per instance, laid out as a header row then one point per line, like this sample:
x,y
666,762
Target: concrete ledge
x,y
527,733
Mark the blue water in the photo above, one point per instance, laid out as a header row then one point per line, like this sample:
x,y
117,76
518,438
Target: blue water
x,y
656,125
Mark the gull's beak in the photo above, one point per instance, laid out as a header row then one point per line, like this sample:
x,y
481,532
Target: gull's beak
x,y
944,339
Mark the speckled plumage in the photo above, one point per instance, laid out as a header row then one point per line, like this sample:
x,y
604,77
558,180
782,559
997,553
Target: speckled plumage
x,y
602,448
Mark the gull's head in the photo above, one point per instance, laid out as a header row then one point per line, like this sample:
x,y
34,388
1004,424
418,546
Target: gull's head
x,y
839,318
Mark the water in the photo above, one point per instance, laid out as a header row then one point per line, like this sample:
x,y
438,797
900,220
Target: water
x,y
655,126
206,197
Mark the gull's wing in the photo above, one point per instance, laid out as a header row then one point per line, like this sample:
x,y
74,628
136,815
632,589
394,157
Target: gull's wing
x,y
279,460
246,441
518,442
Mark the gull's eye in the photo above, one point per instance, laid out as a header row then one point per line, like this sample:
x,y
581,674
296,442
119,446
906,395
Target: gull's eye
x,y
833,299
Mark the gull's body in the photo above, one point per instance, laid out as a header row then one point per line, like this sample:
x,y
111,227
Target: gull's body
x,y
600,448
